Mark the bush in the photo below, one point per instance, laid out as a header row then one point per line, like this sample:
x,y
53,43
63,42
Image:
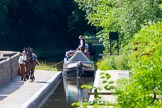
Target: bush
x,y
114,62
146,67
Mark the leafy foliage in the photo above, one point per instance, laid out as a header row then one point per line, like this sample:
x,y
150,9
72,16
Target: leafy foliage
x,y
146,63
114,63
43,25
3,21
140,35
124,16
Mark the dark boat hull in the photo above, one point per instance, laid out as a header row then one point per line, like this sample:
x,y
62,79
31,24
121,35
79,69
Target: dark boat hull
x,y
73,72
78,65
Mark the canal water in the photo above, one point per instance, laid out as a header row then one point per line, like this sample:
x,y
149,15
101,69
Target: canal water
x,y
68,92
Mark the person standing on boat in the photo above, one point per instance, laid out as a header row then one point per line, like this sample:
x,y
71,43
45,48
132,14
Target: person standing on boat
x,y
82,44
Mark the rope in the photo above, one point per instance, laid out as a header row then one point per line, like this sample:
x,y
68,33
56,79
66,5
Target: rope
x,y
57,63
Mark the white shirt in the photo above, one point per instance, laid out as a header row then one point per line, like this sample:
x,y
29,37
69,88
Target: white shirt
x,y
21,59
81,43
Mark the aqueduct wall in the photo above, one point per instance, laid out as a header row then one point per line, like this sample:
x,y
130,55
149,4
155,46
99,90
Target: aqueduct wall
x,y
8,66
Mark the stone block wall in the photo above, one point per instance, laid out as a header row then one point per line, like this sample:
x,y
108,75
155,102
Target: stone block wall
x,y
8,66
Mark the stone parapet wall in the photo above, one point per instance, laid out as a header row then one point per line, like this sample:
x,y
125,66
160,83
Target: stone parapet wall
x,y
8,66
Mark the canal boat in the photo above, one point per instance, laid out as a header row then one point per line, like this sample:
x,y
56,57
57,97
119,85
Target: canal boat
x,y
79,64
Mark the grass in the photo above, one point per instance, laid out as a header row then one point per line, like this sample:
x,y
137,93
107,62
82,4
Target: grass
x,y
114,62
45,66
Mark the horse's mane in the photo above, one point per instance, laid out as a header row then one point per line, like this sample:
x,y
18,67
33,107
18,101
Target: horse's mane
x,y
28,52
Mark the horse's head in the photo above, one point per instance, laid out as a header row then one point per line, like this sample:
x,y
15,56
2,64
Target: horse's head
x,y
28,53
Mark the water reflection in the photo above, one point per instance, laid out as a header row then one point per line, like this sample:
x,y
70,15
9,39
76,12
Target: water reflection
x,y
69,91
73,90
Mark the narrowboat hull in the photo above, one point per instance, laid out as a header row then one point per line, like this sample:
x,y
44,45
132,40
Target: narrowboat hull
x,y
81,66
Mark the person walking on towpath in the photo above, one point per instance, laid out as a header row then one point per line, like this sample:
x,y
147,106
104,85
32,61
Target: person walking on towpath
x,y
21,67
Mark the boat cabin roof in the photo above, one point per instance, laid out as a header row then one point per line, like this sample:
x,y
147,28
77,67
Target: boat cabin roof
x,y
79,56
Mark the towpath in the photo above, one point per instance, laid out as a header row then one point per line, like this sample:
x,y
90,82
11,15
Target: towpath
x,y
20,94
115,75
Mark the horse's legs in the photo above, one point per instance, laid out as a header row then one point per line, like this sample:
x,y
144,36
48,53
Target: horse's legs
x,y
32,77
27,72
30,67
24,76
27,75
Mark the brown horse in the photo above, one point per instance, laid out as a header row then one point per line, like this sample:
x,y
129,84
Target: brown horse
x,y
30,63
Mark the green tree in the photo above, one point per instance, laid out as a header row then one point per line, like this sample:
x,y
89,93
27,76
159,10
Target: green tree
x,y
145,87
137,21
3,12
124,16
43,24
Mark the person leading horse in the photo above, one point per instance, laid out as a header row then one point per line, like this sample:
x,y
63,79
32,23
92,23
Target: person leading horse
x,y
27,63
